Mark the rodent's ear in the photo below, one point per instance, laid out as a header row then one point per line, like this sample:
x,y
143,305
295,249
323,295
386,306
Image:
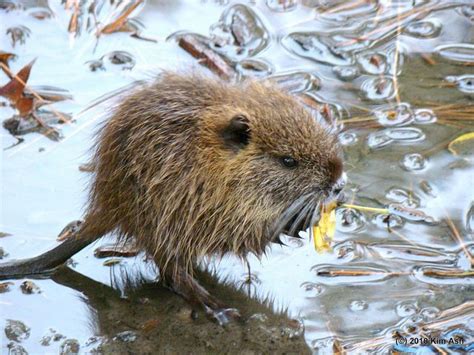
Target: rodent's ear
x,y
236,134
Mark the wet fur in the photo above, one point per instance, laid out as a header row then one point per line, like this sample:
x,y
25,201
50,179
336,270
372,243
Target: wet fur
x,y
164,175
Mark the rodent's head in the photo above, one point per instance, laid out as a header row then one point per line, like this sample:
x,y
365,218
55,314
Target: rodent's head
x,y
271,151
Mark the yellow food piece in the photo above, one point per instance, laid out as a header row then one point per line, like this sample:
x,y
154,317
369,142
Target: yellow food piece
x,y
461,138
324,232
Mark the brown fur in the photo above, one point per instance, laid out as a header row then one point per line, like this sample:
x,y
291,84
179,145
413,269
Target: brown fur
x,y
165,176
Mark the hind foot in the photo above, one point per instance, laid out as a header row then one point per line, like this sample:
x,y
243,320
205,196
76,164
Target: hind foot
x,y
187,286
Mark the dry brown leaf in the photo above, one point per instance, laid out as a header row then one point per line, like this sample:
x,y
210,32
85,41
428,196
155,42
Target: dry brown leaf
x,y
13,90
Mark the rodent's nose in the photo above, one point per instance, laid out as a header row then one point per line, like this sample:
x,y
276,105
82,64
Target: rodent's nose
x,y
339,185
337,190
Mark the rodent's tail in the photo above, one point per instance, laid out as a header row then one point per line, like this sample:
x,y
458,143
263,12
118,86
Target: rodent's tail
x,y
46,261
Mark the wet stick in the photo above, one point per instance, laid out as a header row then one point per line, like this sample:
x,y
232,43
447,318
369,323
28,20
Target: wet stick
x,y
449,273
428,58
207,56
395,58
356,273
118,24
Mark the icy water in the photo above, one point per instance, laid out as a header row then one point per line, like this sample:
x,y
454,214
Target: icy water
x,y
396,76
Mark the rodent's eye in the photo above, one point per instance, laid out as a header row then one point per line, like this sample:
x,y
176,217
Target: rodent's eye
x,y
289,162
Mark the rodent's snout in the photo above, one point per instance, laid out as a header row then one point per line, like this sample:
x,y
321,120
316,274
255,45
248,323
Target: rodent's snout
x,y
339,185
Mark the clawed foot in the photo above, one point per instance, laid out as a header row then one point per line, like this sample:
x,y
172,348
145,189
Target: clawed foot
x,y
186,286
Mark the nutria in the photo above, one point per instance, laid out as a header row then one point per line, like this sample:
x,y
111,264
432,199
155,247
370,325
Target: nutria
x,y
189,166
